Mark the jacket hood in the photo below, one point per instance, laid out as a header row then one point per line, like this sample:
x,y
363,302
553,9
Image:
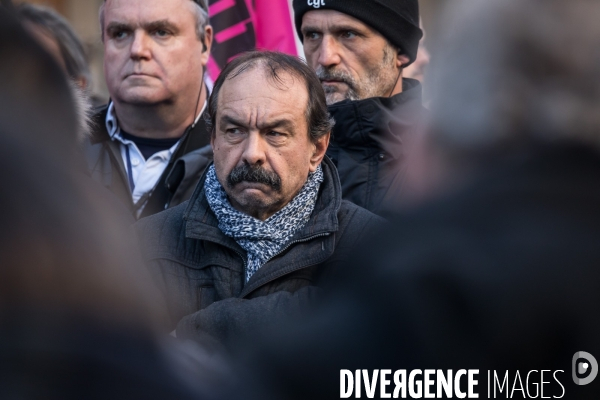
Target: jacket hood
x,y
379,122
201,222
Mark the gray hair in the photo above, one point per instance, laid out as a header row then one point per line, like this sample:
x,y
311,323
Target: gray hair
x,y
517,71
202,20
71,48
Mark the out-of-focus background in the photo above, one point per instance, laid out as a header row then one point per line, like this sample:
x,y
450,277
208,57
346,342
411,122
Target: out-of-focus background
x,y
83,15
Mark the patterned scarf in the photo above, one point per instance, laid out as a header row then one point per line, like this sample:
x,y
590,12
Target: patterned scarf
x,y
262,240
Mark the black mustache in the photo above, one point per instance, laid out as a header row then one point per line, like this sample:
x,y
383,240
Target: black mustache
x,y
254,174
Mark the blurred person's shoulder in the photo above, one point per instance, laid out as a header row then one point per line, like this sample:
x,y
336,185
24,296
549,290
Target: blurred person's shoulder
x,y
545,199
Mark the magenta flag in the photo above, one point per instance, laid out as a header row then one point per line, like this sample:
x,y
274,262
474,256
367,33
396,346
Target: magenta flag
x,y
243,25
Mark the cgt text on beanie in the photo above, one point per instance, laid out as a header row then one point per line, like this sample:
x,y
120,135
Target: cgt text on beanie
x,y
396,20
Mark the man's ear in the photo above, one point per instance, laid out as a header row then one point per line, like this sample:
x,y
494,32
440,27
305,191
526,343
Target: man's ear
x,y
207,44
402,60
319,149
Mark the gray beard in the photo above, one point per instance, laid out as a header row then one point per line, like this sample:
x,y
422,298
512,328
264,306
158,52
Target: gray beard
x,y
332,95
377,82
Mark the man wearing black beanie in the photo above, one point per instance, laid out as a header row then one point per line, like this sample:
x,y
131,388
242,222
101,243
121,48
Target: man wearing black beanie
x,y
359,48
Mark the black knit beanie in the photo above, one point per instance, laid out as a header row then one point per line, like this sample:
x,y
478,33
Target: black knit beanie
x,y
396,20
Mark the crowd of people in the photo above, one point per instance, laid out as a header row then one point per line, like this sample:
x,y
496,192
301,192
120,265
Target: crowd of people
x,y
301,216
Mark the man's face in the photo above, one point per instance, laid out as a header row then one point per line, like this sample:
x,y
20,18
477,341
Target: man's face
x,y
352,60
262,150
152,52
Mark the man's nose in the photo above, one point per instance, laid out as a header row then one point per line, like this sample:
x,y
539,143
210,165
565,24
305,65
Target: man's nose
x,y
140,46
329,52
254,150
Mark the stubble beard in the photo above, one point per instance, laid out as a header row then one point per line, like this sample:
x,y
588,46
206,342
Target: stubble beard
x,y
378,81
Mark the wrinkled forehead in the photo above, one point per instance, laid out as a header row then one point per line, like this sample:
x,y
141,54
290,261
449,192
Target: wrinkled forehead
x,y
255,90
257,78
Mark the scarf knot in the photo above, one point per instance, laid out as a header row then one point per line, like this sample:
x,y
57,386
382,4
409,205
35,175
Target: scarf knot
x,y
262,240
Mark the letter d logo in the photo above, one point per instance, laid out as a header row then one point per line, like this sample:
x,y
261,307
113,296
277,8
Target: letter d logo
x,y
582,367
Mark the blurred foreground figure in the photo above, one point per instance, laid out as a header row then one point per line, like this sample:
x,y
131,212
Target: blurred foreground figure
x,y
266,224
360,50
501,271
57,37
77,318
150,144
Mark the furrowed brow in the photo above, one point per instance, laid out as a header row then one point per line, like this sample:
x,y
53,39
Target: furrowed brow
x,y
310,29
344,28
278,123
228,119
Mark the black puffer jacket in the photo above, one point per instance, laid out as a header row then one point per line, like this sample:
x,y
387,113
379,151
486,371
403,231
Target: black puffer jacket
x,y
201,271
368,145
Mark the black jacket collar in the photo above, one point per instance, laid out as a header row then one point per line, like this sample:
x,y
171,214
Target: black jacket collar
x,y
377,121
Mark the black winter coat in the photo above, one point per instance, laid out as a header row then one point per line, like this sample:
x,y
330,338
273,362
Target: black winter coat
x,y
368,145
177,182
201,271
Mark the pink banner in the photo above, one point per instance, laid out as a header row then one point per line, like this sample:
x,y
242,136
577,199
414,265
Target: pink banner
x,y
274,26
243,25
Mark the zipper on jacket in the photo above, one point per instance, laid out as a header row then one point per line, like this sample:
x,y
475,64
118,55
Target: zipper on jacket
x,y
281,251
298,241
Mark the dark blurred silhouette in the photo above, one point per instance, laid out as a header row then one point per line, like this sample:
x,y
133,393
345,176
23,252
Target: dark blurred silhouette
x,y
77,314
59,39
499,269
57,36
7,4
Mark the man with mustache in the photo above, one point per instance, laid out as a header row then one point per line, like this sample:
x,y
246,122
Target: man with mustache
x,y
266,226
359,49
150,144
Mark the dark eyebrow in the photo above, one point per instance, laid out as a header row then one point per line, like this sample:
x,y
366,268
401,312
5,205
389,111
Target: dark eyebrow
x,y
227,119
160,25
344,28
117,26
278,123
150,26
306,29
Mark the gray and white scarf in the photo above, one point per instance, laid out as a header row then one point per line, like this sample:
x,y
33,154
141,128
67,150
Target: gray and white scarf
x,y
262,240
